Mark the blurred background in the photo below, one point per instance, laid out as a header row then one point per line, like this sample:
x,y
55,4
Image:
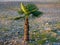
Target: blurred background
x,y
11,31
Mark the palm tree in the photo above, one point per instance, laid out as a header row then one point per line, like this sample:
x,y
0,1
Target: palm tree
x,y
28,10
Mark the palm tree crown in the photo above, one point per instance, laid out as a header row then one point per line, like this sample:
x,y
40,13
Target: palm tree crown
x,y
29,9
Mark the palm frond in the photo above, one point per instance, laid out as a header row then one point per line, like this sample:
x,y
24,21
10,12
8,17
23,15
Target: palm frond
x,y
31,7
20,12
37,14
16,18
24,9
34,10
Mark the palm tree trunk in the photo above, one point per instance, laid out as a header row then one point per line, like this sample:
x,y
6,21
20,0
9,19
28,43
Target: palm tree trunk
x,y
26,30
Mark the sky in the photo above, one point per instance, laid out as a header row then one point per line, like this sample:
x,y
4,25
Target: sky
x,y
33,0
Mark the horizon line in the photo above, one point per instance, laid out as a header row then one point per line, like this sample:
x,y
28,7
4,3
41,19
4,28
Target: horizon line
x,y
33,2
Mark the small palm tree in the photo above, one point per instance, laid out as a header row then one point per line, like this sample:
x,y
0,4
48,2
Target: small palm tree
x,y
28,10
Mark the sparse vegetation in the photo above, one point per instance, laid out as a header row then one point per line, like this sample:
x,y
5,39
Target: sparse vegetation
x,y
42,32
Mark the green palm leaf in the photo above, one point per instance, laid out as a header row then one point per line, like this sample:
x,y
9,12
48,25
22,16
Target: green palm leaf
x,y
20,12
16,18
37,14
31,7
34,10
24,9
